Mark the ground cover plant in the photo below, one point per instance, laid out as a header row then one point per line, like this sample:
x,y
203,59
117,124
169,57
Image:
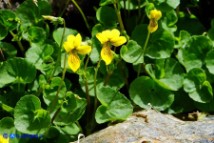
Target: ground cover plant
x,y
61,75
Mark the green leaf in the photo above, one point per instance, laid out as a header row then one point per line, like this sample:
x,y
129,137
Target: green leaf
x,y
7,125
115,106
146,93
8,19
132,53
51,89
168,73
196,85
173,3
58,34
132,4
35,34
12,71
8,50
210,61
72,109
29,117
30,13
40,55
161,42
106,16
3,32
193,52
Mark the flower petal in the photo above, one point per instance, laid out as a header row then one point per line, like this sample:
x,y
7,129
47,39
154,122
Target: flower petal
x,y
153,26
102,38
115,33
73,61
119,41
69,43
155,14
106,54
78,40
84,49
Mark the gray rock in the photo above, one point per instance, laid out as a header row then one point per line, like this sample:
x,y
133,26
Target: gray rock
x,y
154,127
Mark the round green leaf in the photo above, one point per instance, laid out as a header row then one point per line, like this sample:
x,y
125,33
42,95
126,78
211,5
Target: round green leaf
x,y
36,34
146,93
39,55
106,16
196,85
17,70
29,117
3,32
173,3
210,61
160,45
194,51
8,50
7,125
115,106
51,89
132,53
58,34
168,73
71,110
8,19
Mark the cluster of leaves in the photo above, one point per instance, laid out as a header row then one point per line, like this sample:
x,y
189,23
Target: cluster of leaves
x,y
169,70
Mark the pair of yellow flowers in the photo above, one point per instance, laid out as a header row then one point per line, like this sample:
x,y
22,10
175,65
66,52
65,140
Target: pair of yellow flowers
x,y
108,38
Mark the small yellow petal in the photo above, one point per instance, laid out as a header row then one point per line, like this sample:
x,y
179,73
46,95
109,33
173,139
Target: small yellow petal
x,y
115,33
77,40
74,62
68,45
102,37
155,14
118,41
4,140
84,49
153,26
106,54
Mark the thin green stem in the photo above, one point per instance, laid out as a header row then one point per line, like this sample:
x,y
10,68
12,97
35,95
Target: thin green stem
x,y
82,14
119,17
58,90
58,62
143,52
87,90
95,84
18,42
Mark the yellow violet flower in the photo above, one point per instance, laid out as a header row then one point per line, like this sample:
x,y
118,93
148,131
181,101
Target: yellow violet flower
x,y
154,16
74,46
109,38
3,140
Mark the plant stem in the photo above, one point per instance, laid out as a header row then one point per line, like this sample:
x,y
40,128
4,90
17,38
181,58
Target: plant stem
x,y
87,91
82,14
119,17
58,90
18,42
58,62
143,52
95,84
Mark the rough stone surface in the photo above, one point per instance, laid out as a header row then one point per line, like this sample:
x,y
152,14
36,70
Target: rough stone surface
x,y
154,127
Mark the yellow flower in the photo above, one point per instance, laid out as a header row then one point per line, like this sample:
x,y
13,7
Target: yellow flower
x,y
109,38
3,140
154,16
74,46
